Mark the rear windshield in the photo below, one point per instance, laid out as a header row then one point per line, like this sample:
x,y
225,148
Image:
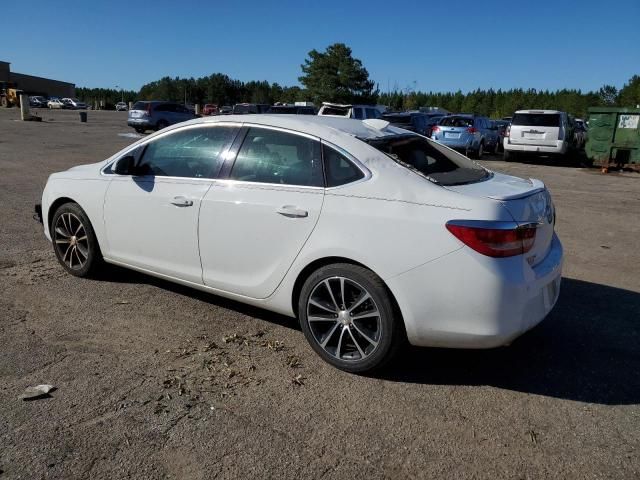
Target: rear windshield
x,y
536,119
457,122
140,106
437,163
343,112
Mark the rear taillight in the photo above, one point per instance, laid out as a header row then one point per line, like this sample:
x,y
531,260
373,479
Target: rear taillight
x,y
435,129
472,130
507,132
494,239
148,112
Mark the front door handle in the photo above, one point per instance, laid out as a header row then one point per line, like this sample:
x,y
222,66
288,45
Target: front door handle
x,y
181,201
292,211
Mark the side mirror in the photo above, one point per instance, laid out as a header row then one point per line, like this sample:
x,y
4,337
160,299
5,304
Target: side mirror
x,y
125,166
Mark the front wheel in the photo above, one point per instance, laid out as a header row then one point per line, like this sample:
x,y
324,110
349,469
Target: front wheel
x,y
74,241
348,317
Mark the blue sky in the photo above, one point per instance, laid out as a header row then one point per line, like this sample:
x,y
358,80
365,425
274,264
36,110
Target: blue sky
x,y
440,45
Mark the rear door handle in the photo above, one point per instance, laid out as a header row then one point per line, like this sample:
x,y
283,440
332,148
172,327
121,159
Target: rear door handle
x,y
181,201
292,211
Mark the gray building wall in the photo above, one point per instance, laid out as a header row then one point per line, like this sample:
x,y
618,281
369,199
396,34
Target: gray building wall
x,y
36,85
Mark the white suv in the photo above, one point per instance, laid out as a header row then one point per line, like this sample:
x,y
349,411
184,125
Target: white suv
x,y
360,112
538,131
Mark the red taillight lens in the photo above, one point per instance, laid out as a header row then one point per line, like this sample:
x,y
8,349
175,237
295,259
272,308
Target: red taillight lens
x,y
508,131
435,129
472,130
495,242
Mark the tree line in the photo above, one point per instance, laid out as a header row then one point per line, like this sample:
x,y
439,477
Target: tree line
x,y
336,76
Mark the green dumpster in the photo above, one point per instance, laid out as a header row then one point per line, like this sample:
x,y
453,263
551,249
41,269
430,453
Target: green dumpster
x,y
614,137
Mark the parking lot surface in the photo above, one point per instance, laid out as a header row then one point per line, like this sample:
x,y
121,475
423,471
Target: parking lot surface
x,y
154,380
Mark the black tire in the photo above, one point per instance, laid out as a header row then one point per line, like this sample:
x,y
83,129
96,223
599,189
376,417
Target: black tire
x,y
478,153
161,124
496,149
388,331
508,156
65,234
140,130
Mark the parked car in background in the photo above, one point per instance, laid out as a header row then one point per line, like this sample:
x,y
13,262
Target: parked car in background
x,y
301,220
580,133
210,109
56,103
359,112
245,108
156,115
502,126
121,107
74,104
413,121
226,110
38,101
292,110
543,132
471,134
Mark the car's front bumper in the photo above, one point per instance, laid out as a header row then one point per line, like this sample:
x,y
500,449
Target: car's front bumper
x,y
467,300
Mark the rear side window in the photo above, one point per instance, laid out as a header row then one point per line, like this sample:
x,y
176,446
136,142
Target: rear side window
x,y
338,169
536,119
430,159
272,156
194,153
457,122
372,113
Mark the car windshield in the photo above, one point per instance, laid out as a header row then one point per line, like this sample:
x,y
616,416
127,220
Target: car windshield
x,y
457,122
536,119
436,162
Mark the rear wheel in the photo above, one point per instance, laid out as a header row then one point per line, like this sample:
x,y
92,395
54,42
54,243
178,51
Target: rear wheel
x,y
508,156
479,151
140,130
348,317
74,241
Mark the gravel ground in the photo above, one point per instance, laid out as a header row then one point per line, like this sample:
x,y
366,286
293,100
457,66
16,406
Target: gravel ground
x,y
158,381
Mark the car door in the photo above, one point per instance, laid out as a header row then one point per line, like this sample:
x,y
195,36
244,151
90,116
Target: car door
x,y
254,223
151,215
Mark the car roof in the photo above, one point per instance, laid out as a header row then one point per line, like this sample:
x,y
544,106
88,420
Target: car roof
x,y
316,125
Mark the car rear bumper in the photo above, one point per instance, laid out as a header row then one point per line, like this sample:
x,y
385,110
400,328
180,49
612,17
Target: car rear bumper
x,y
139,122
559,149
467,300
457,144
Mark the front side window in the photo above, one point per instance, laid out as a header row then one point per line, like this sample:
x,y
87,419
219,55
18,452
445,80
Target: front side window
x,y
272,156
193,152
338,169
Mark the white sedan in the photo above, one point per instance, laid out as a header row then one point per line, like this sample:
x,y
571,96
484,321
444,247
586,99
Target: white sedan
x,y
369,234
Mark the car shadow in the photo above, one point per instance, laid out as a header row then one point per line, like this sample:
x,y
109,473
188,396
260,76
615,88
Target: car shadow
x,y
115,274
587,349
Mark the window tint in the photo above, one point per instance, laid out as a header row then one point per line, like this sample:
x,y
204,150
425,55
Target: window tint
x,y
338,169
430,159
536,119
457,122
193,152
271,156
372,113
358,113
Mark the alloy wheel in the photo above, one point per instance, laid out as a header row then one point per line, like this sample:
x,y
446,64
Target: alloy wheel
x,y
344,319
71,241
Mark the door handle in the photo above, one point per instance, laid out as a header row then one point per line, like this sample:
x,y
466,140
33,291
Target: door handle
x,y
181,201
292,211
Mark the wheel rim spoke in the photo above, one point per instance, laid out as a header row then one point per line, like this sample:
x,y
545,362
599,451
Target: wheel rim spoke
x,y
71,240
333,308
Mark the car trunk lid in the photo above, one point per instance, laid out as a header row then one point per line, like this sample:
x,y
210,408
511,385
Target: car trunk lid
x,y
528,202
